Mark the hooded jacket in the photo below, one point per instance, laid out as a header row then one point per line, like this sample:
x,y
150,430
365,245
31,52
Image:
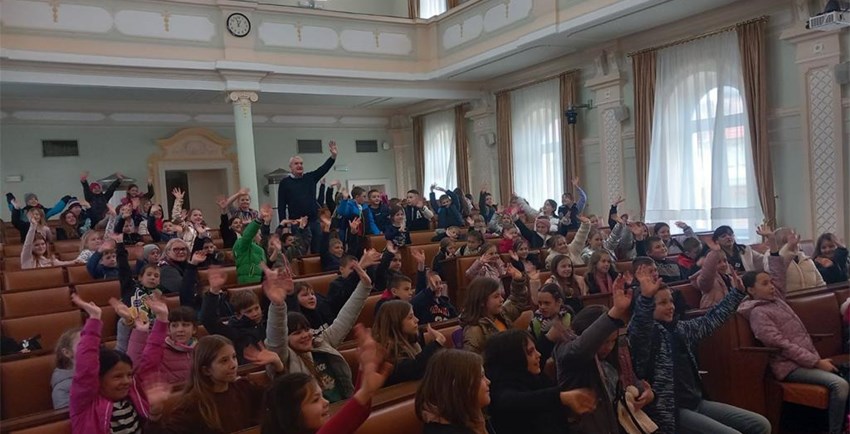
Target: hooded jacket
x,y
475,335
775,324
176,358
327,342
248,255
711,283
799,269
60,386
89,411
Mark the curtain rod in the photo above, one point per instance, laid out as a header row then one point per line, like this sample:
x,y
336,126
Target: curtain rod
x,y
694,38
535,81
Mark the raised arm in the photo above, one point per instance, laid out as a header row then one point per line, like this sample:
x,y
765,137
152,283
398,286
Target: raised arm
x,y
343,323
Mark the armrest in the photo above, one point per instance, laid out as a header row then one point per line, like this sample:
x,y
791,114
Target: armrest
x,y
765,350
821,336
34,420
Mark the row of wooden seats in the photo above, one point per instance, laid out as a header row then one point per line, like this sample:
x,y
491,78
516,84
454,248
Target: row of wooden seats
x,y
735,360
13,236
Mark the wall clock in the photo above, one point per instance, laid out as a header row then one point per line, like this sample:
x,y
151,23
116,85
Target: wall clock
x,y
238,25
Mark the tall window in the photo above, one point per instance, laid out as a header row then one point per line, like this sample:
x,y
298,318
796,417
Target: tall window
x,y
701,163
431,8
536,138
439,149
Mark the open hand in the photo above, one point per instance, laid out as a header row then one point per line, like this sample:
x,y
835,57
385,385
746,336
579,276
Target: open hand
x,y
434,335
370,257
580,401
418,255
92,310
177,193
332,147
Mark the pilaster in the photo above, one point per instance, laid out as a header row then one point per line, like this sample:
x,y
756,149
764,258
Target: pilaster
x,y
608,100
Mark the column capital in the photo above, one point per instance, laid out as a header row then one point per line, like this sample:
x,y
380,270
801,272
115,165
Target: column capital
x,y
242,96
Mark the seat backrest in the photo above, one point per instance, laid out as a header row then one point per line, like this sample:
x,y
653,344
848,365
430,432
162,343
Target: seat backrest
x,y
49,326
400,416
367,314
319,282
67,246
26,385
377,242
408,264
690,294
310,265
36,302
12,250
59,427
79,274
12,263
36,278
421,237
821,315
99,292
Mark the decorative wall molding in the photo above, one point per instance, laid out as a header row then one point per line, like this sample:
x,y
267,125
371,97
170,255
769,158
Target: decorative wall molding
x,y
488,17
825,165
325,38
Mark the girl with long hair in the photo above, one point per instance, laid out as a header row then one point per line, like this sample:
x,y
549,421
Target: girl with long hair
x,y
396,330
461,410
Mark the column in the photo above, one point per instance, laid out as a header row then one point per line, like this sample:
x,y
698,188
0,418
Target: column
x,y
608,105
483,157
244,125
822,125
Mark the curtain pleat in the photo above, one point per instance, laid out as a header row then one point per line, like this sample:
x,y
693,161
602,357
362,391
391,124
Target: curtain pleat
x,y
569,133
643,67
419,150
751,42
503,132
462,146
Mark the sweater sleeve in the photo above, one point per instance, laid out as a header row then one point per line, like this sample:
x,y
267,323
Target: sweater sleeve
x,y
282,201
347,419
766,331
577,244
148,364
582,199
698,328
585,346
344,322
323,169
27,260
136,345
640,333
56,209
705,280
85,387
277,332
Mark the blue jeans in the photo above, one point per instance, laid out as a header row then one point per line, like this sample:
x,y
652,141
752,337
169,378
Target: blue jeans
x,y
717,418
838,389
123,339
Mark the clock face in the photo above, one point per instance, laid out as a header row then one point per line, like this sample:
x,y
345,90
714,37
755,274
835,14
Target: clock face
x,y
238,25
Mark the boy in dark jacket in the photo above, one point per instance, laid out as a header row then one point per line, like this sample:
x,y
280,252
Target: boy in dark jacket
x,y
417,216
431,303
103,264
668,269
379,209
448,208
96,196
246,328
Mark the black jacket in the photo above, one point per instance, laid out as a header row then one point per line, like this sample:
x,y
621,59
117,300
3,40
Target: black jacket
x,y
298,195
521,402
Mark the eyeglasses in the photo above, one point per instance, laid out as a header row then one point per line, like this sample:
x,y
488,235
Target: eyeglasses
x,y
179,249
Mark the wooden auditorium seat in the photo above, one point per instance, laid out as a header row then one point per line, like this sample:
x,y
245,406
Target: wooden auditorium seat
x,y
49,326
12,263
421,237
12,250
79,274
99,292
67,246
26,385
58,427
311,264
37,278
204,275
36,302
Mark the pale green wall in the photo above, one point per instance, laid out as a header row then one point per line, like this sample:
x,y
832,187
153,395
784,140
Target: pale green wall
x,y
395,8
106,149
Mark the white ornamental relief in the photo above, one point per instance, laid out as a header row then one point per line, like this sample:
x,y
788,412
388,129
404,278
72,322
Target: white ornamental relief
x,y
824,165
195,148
613,154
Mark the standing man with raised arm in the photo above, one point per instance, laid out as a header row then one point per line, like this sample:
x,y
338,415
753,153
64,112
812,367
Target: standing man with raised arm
x,y
297,193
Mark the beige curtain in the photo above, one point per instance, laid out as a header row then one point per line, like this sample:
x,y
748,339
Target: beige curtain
x,y
569,133
751,41
413,8
503,131
461,149
419,151
643,67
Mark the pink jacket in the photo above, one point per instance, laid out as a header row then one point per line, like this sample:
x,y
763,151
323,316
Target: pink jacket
x,y
709,281
90,412
775,324
176,359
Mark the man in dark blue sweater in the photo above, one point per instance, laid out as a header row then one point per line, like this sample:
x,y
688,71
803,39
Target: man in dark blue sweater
x,y
297,194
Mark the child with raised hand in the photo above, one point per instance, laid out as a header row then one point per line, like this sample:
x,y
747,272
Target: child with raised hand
x,y
180,342
831,258
250,257
396,231
521,259
586,361
193,224
380,210
103,264
674,246
63,374
690,260
488,264
341,288
68,227
662,353
356,208
215,399
486,204
96,196
714,280
431,302
741,258
289,335
35,252
417,215
776,325
244,329
20,213
107,394
522,399
137,293
597,241
447,209
229,227
461,411
295,405
536,238
396,329
800,271
600,275
388,267
239,205
312,305
571,285
448,250
668,269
